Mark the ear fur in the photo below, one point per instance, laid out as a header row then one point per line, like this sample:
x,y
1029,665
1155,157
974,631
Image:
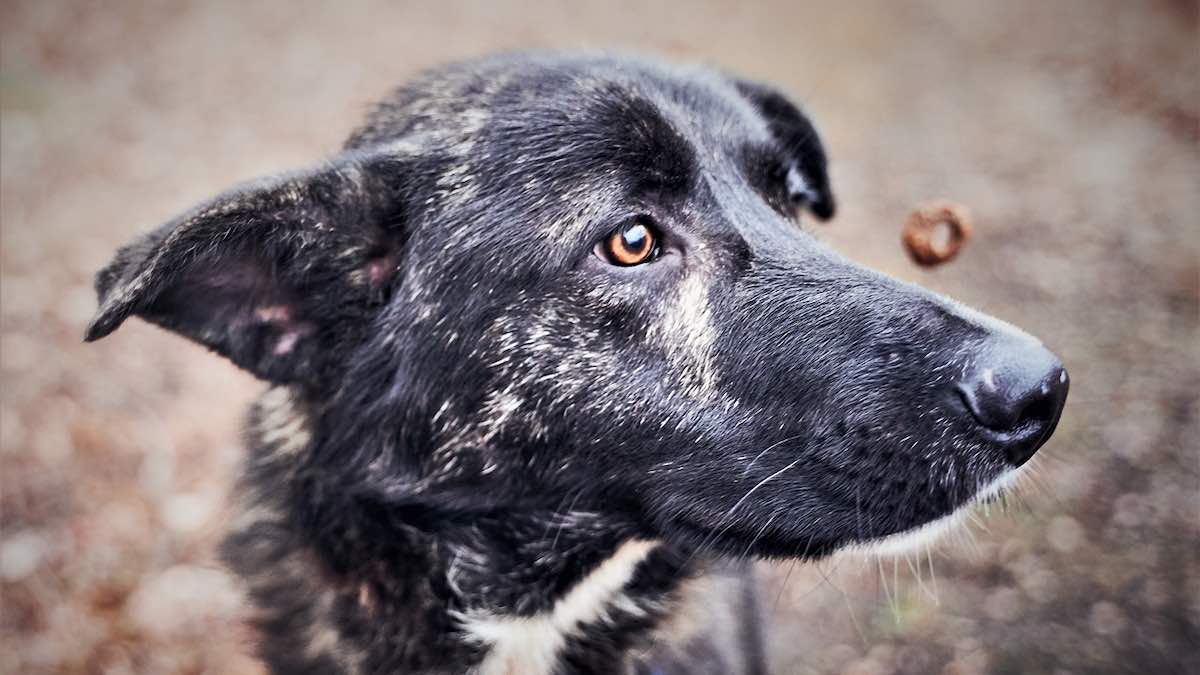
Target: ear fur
x,y
800,142
274,274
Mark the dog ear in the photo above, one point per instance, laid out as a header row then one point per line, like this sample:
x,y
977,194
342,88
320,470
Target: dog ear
x,y
275,275
809,183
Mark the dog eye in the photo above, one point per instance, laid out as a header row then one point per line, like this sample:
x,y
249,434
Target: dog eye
x,y
633,243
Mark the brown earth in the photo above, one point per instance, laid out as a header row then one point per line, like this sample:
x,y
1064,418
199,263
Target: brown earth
x,y
1069,128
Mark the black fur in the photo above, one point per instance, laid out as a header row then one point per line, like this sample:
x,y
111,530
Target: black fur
x,y
472,410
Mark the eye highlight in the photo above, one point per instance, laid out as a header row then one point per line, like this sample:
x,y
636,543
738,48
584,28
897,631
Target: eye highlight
x,y
634,243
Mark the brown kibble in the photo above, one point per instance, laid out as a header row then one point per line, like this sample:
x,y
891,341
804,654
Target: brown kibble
x,y
935,232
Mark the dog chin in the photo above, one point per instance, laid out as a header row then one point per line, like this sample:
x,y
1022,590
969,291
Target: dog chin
x,y
925,536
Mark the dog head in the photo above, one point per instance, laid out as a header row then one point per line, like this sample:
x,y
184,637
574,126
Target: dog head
x,y
582,283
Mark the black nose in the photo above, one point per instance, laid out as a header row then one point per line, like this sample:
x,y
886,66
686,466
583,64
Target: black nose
x,y
1016,388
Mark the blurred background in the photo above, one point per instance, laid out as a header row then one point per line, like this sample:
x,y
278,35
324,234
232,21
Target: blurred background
x,y
1069,128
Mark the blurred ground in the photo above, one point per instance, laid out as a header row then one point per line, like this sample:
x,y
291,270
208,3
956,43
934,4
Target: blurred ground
x,y
1070,128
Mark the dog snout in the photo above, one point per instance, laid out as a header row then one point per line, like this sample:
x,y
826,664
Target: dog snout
x,y
1015,389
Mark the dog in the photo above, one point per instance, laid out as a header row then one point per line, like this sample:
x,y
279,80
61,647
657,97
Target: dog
x,y
551,356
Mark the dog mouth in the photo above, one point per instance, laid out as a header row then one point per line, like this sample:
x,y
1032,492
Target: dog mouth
x,y
768,536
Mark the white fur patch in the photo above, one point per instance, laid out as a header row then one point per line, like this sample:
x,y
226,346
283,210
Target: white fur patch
x,y
688,332
531,645
283,428
926,535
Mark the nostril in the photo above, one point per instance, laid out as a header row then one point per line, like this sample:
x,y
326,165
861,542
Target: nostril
x,y
1040,417
1042,406
992,404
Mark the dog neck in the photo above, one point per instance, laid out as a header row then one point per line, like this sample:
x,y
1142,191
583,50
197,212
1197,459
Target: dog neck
x,y
347,586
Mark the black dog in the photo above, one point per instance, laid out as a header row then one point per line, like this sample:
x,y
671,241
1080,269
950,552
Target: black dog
x,y
550,355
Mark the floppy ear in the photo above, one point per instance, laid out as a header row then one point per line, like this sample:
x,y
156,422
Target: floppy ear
x,y
809,183
275,275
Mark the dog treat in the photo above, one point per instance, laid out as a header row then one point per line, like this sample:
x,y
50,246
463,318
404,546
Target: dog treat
x,y
922,239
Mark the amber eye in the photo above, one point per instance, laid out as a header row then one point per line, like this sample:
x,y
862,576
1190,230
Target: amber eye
x,y
632,244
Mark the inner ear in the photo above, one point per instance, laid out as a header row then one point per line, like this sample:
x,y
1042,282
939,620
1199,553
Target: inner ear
x,y
280,276
244,309
382,262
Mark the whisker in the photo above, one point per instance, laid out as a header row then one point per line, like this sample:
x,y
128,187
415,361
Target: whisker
x,y
563,521
769,448
787,577
854,620
827,580
916,570
896,590
712,536
886,591
932,576
974,519
760,484
761,531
